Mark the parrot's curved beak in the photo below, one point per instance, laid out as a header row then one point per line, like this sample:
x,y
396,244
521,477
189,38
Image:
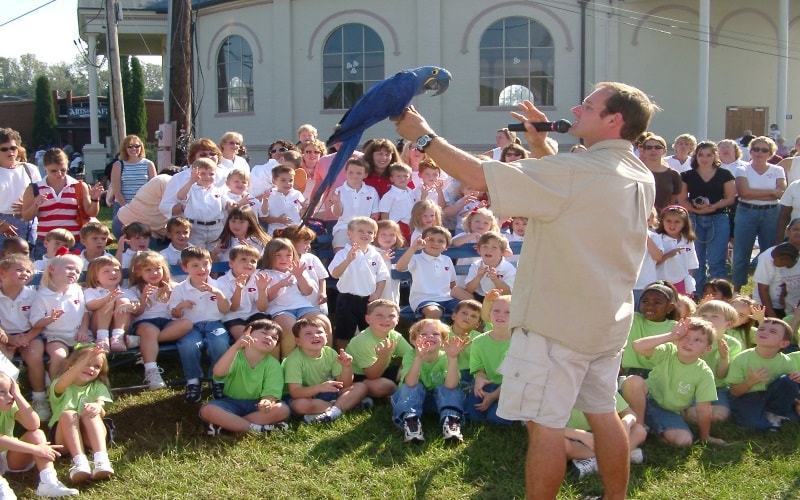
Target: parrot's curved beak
x,y
439,83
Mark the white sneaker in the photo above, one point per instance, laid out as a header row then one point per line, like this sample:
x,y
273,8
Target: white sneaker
x,y
451,429
80,473
55,490
118,344
132,341
412,430
42,408
152,378
102,470
637,456
6,493
585,467
280,426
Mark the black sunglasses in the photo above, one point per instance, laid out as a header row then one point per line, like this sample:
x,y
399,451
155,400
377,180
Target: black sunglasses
x,y
278,150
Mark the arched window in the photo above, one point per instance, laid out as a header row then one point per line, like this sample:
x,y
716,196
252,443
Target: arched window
x,y
234,76
517,58
352,62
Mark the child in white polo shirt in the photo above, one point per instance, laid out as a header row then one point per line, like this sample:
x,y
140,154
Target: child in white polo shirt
x,y
284,201
204,203
179,231
397,203
352,199
433,274
362,275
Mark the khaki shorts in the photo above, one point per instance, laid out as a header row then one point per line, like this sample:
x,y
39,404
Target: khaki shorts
x,y
4,465
543,381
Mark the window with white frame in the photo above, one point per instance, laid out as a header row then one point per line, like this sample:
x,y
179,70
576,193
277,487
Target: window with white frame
x,y
234,76
517,60
352,62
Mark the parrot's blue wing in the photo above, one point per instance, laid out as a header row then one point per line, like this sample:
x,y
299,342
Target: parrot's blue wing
x,y
386,99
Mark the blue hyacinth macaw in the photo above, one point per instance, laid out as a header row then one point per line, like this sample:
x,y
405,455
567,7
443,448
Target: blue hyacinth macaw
x,y
387,98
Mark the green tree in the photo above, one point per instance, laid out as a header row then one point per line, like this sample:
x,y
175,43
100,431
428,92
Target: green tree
x,y
44,114
135,110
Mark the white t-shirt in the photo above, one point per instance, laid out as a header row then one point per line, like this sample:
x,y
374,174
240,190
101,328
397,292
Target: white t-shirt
x,y
432,277
791,198
505,271
238,163
205,303
290,204
676,268
362,202
73,305
154,307
247,306
649,274
204,204
261,178
767,274
15,314
677,165
767,180
289,297
398,203
363,274
13,182
170,196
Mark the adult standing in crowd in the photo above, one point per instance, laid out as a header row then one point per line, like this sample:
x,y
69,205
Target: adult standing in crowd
x,y
15,176
760,185
706,193
131,171
683,146
229,146
652,149
589,210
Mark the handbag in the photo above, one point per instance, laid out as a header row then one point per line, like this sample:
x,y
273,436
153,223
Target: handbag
x,y
83,218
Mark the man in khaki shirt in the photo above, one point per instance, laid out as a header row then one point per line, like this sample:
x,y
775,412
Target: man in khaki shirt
x,y
572,307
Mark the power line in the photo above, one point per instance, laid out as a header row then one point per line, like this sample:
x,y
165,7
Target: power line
x,y
25,14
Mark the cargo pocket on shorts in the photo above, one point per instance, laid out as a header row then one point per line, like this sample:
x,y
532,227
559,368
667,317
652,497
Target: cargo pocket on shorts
x,y
525,377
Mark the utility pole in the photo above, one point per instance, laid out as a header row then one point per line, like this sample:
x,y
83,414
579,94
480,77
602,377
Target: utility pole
x,y
114,68
180,70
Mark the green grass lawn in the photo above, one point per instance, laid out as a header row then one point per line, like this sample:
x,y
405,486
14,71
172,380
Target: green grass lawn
x,y
161,452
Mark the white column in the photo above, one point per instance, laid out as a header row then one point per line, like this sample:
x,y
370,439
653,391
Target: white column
x,y
703,59
94,126
783,65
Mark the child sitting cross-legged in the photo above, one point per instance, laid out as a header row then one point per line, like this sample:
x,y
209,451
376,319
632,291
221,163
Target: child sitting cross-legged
x,y
319,381
430,381
253,384
678,377
374,348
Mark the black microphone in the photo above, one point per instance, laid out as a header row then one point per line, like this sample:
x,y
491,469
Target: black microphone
x,y
561,126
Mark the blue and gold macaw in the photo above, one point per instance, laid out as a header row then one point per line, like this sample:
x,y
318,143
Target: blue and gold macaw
x,y
387,98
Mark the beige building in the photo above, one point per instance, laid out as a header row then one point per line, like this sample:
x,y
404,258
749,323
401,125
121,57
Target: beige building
x,y
264,67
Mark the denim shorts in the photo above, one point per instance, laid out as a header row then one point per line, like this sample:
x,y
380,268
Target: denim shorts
x,y
447,306
244,321
330,397
159,323
297,313
239,407
660,420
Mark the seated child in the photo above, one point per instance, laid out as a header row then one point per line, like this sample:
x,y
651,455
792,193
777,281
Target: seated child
x,y
320,382
467,321
769,278
429,382
362,274
94,238
580,441
241,228
135,238
246,288
78,397
717,289
491,271
762,396
59,309
374,348
13,245
433,274
685,306
725,348
179,230
20,454
657,315
486,353
253,384
53,241
199,300
749,316
678,377
110,310
16,299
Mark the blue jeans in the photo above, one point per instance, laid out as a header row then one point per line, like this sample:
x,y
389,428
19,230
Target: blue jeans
x,y
25,229
408,401
711,246
748,409
210,333
490,415
749,224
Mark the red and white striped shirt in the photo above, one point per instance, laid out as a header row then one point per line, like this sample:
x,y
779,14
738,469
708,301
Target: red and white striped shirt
x,y
60,209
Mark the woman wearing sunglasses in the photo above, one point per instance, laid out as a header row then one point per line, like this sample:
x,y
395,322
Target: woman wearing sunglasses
x,y
130,172
15,176
652,149
760,186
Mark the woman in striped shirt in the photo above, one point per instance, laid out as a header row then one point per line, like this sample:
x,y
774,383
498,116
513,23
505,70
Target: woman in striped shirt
x,y
131,172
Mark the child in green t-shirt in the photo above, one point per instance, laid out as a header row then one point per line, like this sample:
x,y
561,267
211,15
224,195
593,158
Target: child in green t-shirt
x,y
721,315
466,322
657,315
579,439
374,348
20,454
750,315
678,377
253,384
762,380
488,351
78,398
430,382
320,382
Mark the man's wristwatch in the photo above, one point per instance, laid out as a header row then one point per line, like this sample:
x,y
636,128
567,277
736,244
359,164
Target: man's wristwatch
x,y
424,141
